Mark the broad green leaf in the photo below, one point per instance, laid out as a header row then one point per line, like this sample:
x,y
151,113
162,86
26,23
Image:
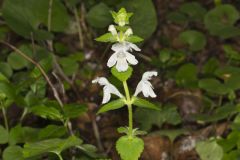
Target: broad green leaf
x,y
139,8
148,118
13,153
177,17
220,21
144,103
194,10
47,112
52,131
3,78
116,104
195,39
16,61
171,134
74,110
99,16
51,145
134,39
209,150
6,69
122,76
8,91
3,135
213,86
19,134
230,142
108,37
187,75
130,148
25,17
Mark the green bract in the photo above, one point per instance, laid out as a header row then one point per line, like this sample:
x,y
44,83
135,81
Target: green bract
x,y
121,17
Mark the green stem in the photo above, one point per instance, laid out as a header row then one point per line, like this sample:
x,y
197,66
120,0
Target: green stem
x,y
129,104
59,156
5,118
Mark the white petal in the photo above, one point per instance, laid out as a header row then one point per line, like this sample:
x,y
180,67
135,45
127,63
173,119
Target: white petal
x,y
122,64
138,89
148,90
117,47
112,60
133,46
148,75
112,29
131,58
115,91
106,95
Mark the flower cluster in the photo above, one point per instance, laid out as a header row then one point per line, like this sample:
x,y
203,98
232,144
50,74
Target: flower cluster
x,y
122,36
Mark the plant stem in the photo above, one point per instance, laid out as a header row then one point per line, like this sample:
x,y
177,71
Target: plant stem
x,y
129,104
59,156
5,118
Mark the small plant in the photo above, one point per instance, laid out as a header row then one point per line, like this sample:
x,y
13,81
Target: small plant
x,y
129,146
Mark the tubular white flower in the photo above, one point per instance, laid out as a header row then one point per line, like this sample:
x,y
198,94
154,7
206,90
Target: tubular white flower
x,y
112,29
121,57
128,32
145,86
108,89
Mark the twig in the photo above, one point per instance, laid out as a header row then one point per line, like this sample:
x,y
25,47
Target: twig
x,y
80,34
55,93
96,133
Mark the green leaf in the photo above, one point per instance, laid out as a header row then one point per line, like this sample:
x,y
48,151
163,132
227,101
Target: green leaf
x,y
213,86
211,65
139,8
47,112
171,134
45,63
108,37
25,17
231,53
148,118
116,104
6,69
187,75
51,145
19,134
195,39
220,113
177,17
209,150
134,39
17,61
99,16
130,148
13,153
220,21
3,135
144,103
194,10
52,131
74,110
122,76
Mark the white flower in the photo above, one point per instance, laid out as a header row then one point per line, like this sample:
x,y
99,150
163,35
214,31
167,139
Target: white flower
x,y
121,57
108,89
128,32
145,86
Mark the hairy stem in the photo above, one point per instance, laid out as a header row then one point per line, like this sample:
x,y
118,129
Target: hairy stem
x,y
5,118
128,98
